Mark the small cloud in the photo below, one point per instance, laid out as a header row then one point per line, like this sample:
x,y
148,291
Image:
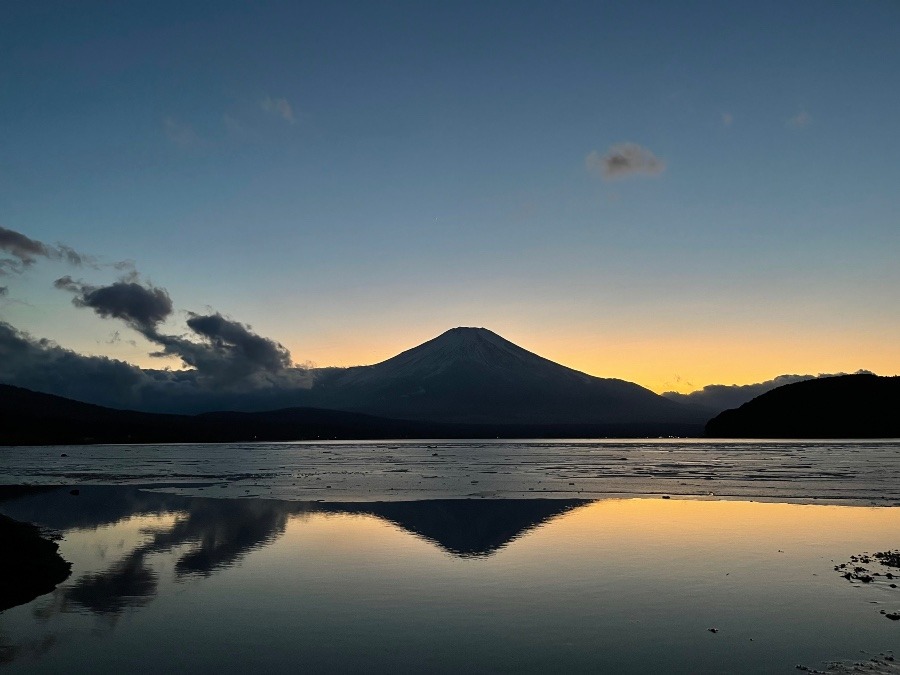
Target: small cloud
x,y
232,125
142,307
180,134
623,160
280,107
800,121
727,119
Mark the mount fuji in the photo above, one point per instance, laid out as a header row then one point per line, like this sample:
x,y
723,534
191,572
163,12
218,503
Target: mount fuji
x,y
474,376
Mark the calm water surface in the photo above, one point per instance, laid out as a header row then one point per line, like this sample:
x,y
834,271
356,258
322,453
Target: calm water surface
x,y
179,583
503,556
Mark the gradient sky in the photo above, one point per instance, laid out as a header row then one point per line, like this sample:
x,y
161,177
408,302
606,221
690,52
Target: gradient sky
x,y
352,179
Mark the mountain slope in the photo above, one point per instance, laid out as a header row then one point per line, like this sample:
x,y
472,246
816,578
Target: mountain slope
x,y
847,406
472,375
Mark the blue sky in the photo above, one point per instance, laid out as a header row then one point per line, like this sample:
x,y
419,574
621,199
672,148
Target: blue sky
x,y
354,178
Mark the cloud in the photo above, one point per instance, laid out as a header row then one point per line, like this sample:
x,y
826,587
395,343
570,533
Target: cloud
x,y
800,121
25,251
280,107
42,365
141,307
182,135
727,119
623,160
22,248
221,350
719,397
228,351
228,365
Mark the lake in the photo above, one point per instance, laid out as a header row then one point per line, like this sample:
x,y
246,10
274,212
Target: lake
x,y
235,558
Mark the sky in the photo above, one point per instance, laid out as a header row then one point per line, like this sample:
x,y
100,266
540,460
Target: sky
x,y
675,194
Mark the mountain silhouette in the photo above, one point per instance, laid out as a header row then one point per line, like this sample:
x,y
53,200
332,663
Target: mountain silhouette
x,y
465,383
33,418
846,406
472,375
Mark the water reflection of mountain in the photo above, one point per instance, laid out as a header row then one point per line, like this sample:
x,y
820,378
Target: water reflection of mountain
x,y
216,533
464,527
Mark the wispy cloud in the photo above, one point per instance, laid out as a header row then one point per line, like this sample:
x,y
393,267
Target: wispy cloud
x,y
181,134
800,121
232,125
624,160
23,252
280,107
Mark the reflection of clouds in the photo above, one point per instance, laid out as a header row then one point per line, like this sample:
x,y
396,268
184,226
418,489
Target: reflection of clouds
x,y
127,584
220,532
196,537
206,535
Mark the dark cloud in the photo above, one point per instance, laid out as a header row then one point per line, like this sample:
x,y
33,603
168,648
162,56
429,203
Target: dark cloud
x,y
143,307
42,365
228,351
719,397
25,252
236,339
73,257
224,351
625,159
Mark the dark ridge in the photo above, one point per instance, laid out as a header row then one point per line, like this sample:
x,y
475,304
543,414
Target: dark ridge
x,y
847,406
32,418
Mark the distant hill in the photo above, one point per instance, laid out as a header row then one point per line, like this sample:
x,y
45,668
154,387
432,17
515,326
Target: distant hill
x,y
32,418
847,406
474,376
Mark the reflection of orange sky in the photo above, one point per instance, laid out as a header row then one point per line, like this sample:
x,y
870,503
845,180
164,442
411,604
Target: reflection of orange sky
x,y
623,526
663,353
678,523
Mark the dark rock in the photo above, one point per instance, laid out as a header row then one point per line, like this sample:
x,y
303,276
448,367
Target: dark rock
x,y
30,565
